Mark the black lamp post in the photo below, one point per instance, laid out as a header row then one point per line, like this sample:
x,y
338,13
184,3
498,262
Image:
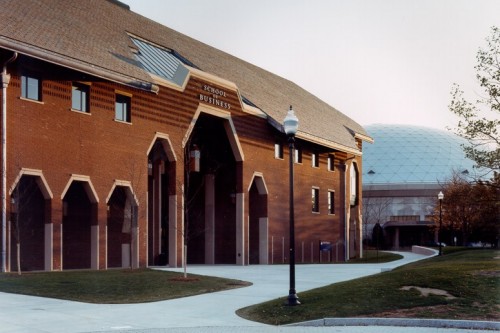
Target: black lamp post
x,y
440,198
290,125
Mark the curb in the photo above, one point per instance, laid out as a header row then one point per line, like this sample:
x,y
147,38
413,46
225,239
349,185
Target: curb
x,y
403,322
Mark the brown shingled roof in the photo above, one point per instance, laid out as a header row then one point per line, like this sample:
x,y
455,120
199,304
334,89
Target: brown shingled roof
x,y
93,34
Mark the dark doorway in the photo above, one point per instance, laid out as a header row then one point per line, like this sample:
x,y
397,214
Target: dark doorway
x,y
210,202
121,210
78,213
257,216
28,218
160,171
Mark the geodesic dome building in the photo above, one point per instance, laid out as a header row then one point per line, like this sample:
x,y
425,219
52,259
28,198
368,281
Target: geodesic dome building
x,y
403,171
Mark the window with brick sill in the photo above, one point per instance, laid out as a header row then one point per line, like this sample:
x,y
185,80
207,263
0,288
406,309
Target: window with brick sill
x,y
298,155
80,97
122,108
315,160
31,88
315,200
278,151
331,202
331,160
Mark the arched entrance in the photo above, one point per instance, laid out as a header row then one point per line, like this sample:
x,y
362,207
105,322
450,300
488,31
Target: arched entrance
x,y
212,221
162,217
121,226
79,226
30,213
258,222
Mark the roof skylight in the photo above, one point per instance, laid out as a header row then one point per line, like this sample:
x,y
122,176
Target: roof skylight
x,y
160,61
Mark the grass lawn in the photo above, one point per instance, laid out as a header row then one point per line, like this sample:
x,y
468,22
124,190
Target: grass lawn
x,y
374,257
471,277
113,286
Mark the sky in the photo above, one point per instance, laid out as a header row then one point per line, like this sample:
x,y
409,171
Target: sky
x,y
377,61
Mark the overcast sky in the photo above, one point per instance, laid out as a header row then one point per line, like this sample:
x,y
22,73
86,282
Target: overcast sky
x,y
377,61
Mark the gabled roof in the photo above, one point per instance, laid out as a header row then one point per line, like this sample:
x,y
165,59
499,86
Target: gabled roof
x,y
94,36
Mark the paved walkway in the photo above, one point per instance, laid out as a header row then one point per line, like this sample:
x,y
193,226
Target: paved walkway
x,y
213,312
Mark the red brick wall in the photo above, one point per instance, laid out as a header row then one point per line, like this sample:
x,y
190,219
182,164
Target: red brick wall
x,y
48,136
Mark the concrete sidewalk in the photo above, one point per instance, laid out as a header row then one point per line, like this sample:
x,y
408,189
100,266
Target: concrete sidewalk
x,y
213,312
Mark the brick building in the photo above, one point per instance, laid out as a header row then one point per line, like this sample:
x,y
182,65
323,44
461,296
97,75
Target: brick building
x,y
128,143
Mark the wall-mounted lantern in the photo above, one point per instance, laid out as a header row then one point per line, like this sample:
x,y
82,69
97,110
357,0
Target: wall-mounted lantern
x,y
194,159
13,206
232,195
150,168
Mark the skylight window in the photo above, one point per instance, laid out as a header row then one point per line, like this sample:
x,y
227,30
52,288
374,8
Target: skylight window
x,y
160,61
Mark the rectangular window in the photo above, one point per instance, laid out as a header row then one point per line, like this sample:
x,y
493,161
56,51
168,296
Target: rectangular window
x,y
331,202
298,155
315,160
278,151
315,200
80,97
331,160
31,88
122,108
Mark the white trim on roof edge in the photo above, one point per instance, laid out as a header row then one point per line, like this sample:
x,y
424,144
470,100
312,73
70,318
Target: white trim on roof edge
x,y
81,66
314,139
326,143
363,137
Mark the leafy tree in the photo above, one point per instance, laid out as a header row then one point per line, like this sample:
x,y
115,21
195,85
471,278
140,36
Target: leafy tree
x,y
471,210
375,212
479,121
487,197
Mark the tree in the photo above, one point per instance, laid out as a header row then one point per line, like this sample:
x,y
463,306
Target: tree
x,y
487,197
471,210
21,200
137,177
375,211
458,210
479,122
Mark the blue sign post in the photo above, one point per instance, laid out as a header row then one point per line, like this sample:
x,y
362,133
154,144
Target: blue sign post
x,y
325,246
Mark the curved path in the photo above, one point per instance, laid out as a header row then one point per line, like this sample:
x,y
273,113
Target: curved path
x,y
213,312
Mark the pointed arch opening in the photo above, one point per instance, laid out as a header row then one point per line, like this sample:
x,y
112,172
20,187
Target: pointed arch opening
x,y
162,198
122,207
30,207
258,221
79,224
213,199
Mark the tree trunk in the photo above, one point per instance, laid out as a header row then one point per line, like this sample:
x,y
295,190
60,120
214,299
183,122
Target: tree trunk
x,y
18,245
185,261
18,258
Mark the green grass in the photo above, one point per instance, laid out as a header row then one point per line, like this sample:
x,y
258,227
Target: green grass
x,y
471,276
113,286
374,257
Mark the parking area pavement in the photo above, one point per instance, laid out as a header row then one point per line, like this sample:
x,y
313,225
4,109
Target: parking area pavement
x,y
214,312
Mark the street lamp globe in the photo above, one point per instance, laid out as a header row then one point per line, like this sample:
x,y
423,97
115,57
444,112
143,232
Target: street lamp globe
x,y
291,123
440,198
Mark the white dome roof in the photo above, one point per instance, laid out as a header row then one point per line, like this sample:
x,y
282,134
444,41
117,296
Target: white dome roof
x,y
403,154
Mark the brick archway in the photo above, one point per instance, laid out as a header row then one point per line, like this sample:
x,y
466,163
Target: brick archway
x,y
80,235
31,227
163,227
258,221
122,226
